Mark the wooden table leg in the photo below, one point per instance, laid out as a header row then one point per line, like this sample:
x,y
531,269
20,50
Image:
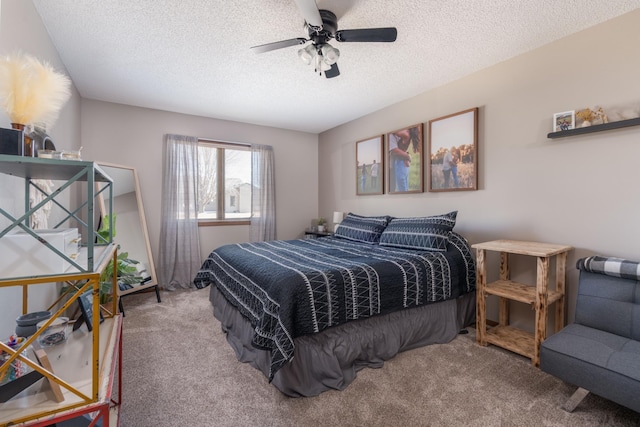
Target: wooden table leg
x,y
561,273
542,285
504,302
481,303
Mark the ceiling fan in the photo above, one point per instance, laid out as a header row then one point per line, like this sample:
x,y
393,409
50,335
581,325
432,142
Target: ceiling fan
x,y
322,26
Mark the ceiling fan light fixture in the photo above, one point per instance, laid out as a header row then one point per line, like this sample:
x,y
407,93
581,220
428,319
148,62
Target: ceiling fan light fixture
x,y
319,64
307,54
321,25
324,66
330,54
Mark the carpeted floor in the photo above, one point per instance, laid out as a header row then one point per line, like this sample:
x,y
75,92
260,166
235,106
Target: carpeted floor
x,y
178,370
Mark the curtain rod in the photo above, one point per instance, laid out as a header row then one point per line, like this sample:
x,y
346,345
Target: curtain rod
x,y
244,144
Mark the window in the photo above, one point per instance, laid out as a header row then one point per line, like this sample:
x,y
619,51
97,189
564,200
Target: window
x,y
224,184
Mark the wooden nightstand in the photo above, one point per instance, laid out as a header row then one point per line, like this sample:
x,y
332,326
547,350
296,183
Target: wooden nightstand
x,y
539,296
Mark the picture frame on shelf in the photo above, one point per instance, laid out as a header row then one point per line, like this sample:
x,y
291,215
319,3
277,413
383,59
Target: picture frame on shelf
x,y
85,301
564,121
370,166
405,168
453,152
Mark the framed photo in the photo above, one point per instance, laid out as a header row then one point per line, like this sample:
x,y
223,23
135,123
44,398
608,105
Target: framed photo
x,y
404,160
453,152
85,301
370,166
564,121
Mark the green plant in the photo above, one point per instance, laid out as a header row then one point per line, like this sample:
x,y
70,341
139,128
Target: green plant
x,y
322,221
127,270
103,232
127,275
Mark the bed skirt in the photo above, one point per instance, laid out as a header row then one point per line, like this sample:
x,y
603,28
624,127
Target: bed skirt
x,y
331,359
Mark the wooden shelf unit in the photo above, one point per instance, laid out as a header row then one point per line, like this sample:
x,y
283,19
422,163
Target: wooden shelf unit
x,y
538,296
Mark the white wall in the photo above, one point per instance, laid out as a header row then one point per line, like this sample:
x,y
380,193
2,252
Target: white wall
x,y
579,191
134,136
21,29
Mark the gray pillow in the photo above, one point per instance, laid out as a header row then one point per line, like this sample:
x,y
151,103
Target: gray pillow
x,y
366,229
430,233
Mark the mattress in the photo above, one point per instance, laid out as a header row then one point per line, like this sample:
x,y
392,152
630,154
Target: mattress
x,y
291,289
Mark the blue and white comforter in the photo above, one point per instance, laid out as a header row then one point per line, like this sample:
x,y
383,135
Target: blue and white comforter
x,y
289,288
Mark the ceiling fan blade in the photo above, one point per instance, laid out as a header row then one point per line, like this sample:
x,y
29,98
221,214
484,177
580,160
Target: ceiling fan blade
x,y
310,12
278,45
387,34
332,72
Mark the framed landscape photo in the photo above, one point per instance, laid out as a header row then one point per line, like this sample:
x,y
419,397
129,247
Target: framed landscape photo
x,y
404,160
370,166
564,121
453,152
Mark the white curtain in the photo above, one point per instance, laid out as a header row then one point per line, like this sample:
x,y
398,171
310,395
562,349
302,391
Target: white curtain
x,y
179,241
263,218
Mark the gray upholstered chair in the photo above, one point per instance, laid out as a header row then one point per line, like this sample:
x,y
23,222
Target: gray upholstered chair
x,y
600,351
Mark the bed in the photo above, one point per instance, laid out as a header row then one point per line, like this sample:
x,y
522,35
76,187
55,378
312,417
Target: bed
x,y
310,313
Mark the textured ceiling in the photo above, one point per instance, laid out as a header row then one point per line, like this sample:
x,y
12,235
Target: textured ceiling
x,y
193,56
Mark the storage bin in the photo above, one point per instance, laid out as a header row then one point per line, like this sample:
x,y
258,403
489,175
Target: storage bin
x,y
23,255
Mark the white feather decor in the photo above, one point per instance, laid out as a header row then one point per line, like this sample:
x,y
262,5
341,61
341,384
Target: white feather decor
x,y
31,91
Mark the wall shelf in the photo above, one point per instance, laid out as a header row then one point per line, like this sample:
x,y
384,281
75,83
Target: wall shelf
x,y
595,128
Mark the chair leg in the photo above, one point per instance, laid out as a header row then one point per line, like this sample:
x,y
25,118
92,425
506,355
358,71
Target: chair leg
x,y
575,399
121,307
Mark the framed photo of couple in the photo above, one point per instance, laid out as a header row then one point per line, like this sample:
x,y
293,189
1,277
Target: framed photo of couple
x,y
564,121
453,152
405,165
370,166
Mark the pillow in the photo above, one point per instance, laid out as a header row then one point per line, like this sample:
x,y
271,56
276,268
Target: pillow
x,y
615,267
431,232
366,229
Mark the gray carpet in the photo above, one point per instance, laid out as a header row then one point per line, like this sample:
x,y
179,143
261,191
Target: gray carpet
x,y
178,370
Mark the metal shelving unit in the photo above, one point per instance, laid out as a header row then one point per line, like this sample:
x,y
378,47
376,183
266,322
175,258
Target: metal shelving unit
x,y
82,368
70,172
